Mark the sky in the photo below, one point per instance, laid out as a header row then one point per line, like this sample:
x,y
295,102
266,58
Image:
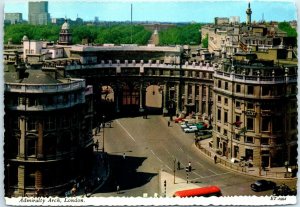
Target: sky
x,y
163,11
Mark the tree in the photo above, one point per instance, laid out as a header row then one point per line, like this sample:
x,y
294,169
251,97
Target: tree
x,y
205,42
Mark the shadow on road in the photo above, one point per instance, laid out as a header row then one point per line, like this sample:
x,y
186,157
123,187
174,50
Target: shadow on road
x,y
124,173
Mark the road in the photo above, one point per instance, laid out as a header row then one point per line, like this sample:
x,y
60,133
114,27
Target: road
x,y
149,146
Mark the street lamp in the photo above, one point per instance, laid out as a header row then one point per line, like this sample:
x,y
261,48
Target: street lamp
x,y
103,126
174,169
8,183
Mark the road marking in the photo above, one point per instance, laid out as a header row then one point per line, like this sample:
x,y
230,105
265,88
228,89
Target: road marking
x,y
168,152
181,149
168,167
209,176
156,156
212,171
125,130
199,164
198,174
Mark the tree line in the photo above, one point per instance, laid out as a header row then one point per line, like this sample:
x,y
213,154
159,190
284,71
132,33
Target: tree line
x,y
181,35
115,34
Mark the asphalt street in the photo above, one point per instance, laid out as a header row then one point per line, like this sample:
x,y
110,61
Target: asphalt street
x,y
139,148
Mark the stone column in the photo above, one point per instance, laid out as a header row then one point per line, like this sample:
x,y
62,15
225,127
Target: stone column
x,y
207,100
141,97
21,180
200,99
22,146
193,93
186,96
178,98
38,179
165,98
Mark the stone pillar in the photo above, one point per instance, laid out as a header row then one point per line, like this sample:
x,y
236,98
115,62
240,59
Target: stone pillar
x,y
165,98
207,100
21,180
186,96
200,99
178,98
22,136
38,179
40,153
141,97
193,93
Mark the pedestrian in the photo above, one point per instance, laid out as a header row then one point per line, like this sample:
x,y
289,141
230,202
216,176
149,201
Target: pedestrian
x,y
168,123
178,165
215,158
85,190
118,189
190,167
124,155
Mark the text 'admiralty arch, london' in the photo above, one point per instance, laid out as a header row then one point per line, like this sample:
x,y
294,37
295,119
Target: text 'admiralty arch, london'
x,y
244,87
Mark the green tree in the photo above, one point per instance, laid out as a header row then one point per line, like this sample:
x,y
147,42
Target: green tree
x,y
205,42
286,27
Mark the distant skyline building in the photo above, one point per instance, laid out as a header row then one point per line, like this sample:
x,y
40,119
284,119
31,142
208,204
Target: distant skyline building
x,y
13,18
38,13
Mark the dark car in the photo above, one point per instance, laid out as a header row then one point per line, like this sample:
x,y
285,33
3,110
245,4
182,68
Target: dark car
x,y
261,185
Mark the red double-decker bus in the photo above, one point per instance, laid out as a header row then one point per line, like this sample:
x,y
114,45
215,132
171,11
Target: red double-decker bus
x,y
196,192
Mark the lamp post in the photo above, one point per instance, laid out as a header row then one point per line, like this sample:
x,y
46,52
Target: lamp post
x,y
103,126
174,169
8,182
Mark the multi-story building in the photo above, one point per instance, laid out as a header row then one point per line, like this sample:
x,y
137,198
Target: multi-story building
x,y
228,39
48,131
255,111
38,13
13,18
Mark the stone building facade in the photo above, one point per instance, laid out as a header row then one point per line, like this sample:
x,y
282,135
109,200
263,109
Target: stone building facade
x,y
255,112
48,126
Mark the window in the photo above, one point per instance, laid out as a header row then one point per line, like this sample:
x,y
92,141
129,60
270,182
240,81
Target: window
x,y
238,88
31,147
225,117
266,91
31,124
237,118
219,115
219,129
225,132
226,101
265,124
237,104
250,124
250,105
264,141
21,101
248,139
219,99
237,137
250,90
29,177
49,123
219,84
249,154
235,151
226,85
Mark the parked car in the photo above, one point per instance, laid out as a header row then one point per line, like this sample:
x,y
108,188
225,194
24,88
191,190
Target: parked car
x,y
179,119
190,129
261,185
284,190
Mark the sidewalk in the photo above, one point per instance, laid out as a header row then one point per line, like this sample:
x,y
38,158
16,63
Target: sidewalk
x,y
171,187
273,173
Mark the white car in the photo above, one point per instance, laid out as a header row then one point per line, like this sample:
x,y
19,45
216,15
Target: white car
x,y
190,129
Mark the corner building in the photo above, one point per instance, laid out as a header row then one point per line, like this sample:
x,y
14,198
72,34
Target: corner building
x,y
48,140
255,112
